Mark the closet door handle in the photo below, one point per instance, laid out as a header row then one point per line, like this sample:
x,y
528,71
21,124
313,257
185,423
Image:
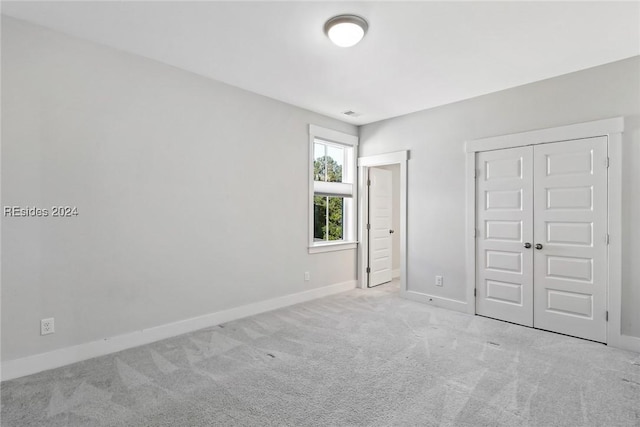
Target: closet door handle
x,y
538,246
527,245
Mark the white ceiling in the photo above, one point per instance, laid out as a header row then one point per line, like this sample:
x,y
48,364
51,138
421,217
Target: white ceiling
x,y
416,55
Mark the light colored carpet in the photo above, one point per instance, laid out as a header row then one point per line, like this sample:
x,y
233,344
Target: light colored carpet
x,y
358,358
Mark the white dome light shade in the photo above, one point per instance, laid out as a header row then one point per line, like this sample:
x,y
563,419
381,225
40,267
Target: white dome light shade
x,y
346,30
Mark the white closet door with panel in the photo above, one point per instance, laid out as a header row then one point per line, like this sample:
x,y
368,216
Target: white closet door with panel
x,y
541,251
380,217
505,223
570,273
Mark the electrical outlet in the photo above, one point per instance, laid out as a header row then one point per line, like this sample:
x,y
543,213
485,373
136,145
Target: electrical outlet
x,y
439,281
307,276
47,326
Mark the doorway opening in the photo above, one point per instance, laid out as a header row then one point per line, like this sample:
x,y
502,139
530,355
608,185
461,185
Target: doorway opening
x,y
382,181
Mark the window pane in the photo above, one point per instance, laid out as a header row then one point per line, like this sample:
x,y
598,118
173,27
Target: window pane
x,y
335,162
319,162
319,218
328,218
336,218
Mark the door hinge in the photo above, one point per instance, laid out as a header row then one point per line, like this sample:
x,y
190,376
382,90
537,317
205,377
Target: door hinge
x,y
606,239
368,270
368,226
368,182
475,232
606,162
606,315
476,173
475,292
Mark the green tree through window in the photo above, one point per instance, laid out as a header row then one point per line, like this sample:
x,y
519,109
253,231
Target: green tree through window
x,y
327,169
328,211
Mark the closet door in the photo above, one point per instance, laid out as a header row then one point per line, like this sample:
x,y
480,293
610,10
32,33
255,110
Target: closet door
x,y
504,220
570,262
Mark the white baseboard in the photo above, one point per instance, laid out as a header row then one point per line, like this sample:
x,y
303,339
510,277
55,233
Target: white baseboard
x,y
395,273
626,342
447,303
65,356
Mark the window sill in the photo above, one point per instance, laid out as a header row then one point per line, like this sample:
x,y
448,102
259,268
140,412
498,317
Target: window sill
x,y
331,247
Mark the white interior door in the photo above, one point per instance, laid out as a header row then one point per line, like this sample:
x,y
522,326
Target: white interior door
x,y
504,223
380,215
570,200
553,196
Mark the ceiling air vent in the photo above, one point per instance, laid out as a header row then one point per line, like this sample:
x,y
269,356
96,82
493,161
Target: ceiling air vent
x,y
350,113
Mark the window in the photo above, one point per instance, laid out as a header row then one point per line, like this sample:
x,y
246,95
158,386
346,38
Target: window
x,y
332,190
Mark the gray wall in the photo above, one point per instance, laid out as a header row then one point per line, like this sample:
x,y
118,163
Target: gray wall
x,y
436,173
192,195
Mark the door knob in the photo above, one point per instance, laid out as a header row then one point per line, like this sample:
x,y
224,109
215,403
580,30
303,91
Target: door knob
x,y
391,231
538,246
527,245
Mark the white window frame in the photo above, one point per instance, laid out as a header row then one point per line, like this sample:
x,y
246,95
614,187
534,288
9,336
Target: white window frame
x,y
349,168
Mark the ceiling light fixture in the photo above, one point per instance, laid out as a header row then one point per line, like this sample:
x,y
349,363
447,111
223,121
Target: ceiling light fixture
x,y
346,30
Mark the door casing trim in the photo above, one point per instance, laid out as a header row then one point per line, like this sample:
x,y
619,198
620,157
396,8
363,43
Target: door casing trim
x,y
611,128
